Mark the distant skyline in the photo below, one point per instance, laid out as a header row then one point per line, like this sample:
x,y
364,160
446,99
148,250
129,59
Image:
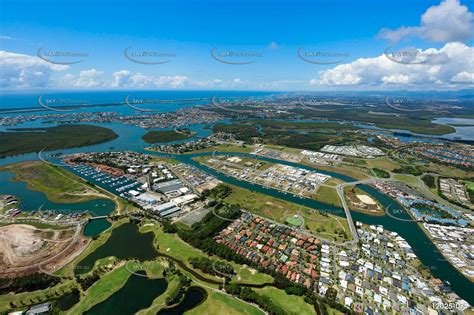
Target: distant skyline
x,y
281,45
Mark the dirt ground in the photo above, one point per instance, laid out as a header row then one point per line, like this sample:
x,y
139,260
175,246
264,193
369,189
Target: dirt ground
x,y
26,249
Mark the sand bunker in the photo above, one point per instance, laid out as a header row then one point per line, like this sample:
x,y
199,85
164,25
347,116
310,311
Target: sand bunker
x,y
366,199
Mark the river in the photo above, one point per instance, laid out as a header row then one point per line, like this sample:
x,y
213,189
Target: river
x,y
129,139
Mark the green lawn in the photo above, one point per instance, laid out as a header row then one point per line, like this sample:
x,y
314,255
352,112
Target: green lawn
x,y
291,304
383,163
408,179
278,210
159,302
327,195
219,303
34,297
102,289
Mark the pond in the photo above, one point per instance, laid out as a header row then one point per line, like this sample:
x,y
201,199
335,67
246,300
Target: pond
x,y
194,296
126,242
68,300
138,293
95,227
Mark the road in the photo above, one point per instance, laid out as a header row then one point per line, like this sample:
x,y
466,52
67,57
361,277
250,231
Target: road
x,y
340,193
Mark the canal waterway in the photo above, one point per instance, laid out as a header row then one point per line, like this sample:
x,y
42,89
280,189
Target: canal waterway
x,y
129,139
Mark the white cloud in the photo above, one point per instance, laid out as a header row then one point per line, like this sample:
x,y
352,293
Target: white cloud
x,y
449,21
125,78
453,63
90,79
24,71
172,81
463,77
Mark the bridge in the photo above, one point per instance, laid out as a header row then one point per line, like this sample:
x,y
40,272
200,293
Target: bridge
x,y
98,217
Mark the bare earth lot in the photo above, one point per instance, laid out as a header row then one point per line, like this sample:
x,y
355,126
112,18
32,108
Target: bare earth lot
x,y
23,248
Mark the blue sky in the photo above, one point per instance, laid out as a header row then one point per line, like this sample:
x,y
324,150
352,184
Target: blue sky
x,y
274,30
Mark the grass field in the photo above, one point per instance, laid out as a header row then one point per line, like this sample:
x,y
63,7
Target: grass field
x,y
102,289
408,179
329,227
172,245
159,302
278,210
58,184
283,149
382,163
219,303
350,171
327,195
291,304
447,171
39,225
34,297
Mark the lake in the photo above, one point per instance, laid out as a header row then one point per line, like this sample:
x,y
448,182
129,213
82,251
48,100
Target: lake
x,y
138,293
125,242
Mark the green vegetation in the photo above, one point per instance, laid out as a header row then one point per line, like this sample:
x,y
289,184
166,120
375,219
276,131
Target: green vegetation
x,y
28,140
174,246
291,304
219,303
409,169
58,184
221,191
225,147
216,268
418,122
381,173
319,223
24,299
202,233
327,195
411,180
429,180
183,285
242,132
294,220
32,282
383,163
249,295
156,136
470,190
102,289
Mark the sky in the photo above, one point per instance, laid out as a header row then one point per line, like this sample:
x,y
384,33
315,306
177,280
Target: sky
x,y
276,45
